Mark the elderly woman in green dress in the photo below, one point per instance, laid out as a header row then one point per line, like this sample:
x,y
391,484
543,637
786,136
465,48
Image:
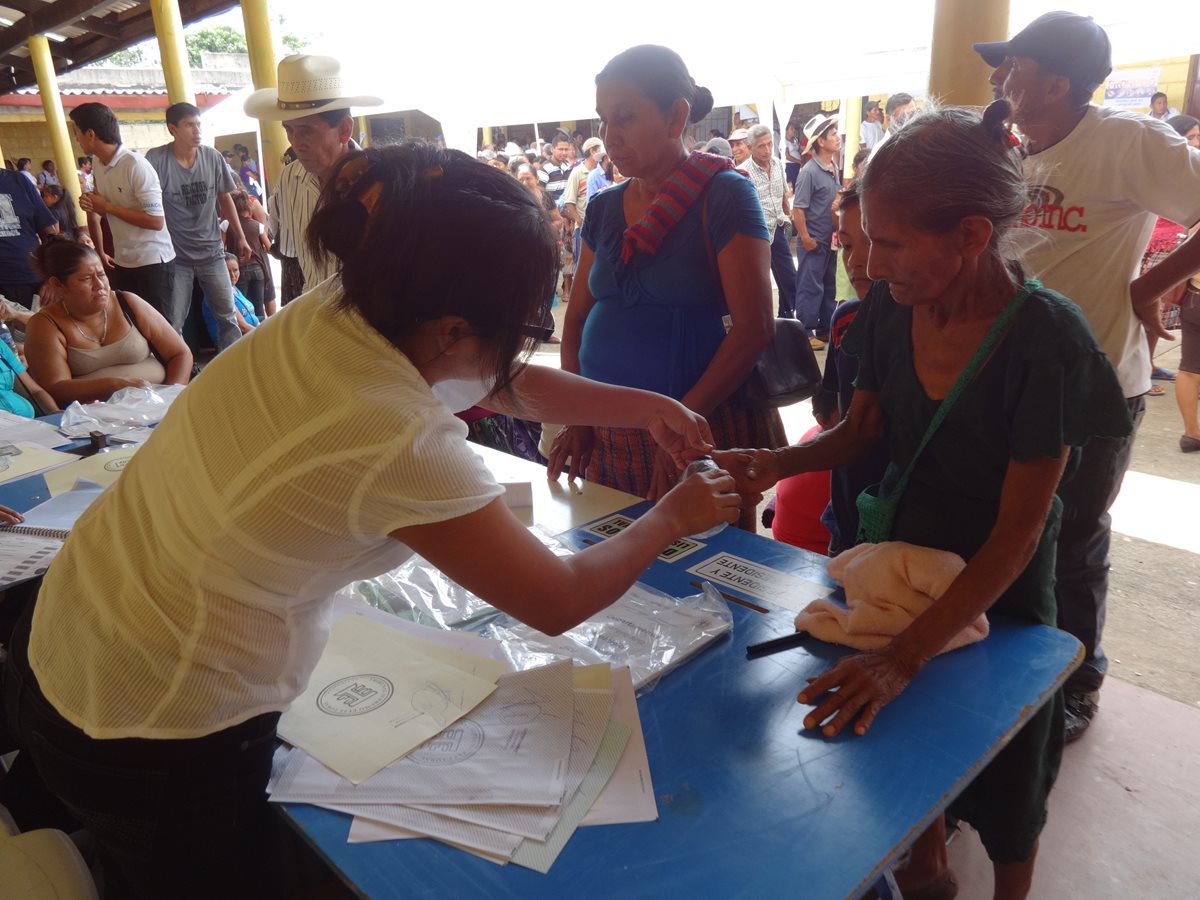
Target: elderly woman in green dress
x,y
952,316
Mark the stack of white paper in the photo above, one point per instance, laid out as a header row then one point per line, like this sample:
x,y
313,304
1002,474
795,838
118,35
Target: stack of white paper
x,y
509,779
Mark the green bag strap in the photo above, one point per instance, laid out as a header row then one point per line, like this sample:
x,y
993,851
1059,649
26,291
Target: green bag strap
x,y
982,353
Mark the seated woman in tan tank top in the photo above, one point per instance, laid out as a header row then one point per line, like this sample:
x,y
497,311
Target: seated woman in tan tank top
x,y
89,345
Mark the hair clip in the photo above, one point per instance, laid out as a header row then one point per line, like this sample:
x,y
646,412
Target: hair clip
x,y
433,172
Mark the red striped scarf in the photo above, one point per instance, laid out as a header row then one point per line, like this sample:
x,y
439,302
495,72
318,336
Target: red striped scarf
x,y
681,189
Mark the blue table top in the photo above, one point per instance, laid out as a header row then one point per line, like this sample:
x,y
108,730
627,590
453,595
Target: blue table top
x,y
751,804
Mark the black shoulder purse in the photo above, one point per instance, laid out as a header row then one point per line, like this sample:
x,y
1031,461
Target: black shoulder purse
x,y
787,372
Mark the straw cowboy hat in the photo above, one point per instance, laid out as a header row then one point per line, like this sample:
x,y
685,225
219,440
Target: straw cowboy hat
x,y
307,85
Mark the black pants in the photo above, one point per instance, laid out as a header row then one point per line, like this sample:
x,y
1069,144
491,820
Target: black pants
x,y
1081,574
169,818
154,283
20,293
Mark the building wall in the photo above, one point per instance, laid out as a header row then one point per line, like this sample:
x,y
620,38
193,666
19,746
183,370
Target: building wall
x,y
1172,80
24,133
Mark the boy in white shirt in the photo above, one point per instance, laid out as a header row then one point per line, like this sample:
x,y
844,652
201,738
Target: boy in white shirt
x,y
1100,182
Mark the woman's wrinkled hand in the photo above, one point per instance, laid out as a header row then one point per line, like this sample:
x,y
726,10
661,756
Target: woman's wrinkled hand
x,y
572,444
857,686
755,471
699,502
10,516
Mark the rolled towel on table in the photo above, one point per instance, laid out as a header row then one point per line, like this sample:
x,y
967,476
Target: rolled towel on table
x,y
887,586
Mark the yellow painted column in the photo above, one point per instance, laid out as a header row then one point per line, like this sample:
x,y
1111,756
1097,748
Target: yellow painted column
x,y
363,129
260,43
56,121
487,136
168,27
852,119
957,74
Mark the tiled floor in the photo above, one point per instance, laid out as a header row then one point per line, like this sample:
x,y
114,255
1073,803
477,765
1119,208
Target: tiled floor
x,y
1125,814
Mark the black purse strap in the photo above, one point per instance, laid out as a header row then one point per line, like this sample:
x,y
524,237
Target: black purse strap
x,y
129,317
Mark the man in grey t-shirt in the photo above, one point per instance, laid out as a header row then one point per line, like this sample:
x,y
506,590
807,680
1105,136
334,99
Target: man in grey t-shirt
x,y
196,183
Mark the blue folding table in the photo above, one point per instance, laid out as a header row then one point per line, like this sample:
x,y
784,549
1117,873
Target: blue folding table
x,y
751,804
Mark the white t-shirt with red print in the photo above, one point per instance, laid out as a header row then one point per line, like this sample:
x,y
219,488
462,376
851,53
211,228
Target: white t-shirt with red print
x,y
1095,199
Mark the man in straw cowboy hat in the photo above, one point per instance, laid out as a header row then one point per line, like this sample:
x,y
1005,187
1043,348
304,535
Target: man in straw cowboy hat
x,y
314,105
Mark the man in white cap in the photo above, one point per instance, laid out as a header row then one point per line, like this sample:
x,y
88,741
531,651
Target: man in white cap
x,y
574,197
739,145
574,202
314,107
1083,235
812,212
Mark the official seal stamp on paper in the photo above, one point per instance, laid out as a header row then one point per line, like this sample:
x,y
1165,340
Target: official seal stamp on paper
x,y
355,695
459,742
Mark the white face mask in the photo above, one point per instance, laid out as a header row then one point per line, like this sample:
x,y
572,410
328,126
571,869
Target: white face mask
x,y
458,394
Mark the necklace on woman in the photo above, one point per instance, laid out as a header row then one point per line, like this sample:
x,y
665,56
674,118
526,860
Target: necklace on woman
x,y
83,334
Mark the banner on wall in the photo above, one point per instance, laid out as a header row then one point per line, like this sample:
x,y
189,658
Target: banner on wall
x,y
1131,88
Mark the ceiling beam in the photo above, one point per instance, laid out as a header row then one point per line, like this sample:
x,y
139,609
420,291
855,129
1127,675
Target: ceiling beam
x,y
25,6
51,17
105,27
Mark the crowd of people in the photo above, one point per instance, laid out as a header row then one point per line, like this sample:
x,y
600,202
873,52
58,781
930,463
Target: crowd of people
x,y
981,396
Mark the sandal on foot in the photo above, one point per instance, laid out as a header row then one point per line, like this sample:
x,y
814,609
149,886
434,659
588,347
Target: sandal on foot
x,y
1160,374
1155,391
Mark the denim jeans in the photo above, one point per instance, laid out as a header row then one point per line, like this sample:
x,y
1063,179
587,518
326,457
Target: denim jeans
x,y
783,268
218,294
1081,574
816,288
154,283
170,818
253,283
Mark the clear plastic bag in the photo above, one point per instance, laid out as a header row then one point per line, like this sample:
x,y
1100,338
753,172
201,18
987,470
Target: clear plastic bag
x,y
419,592
646,630
125,410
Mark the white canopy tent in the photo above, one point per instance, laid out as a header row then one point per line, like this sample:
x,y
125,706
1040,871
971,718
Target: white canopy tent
x,y
483,71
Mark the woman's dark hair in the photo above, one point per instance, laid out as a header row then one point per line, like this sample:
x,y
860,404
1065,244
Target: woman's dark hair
x,y
24,163
241,202
46,164
947,164
850,196
660,74
401,262
59,256
53,190
98,118
1183,124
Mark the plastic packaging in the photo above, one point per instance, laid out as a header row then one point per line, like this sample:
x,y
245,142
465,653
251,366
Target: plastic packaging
x,y
646,630
704,464
419,592
6,336
127,409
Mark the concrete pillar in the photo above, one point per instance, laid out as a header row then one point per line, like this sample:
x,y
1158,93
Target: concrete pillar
x,y
56,121
362,128
168,26
957,75
852,120
260,42
487,135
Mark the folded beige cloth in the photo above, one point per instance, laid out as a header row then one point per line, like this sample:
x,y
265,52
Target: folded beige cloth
x,y
887,586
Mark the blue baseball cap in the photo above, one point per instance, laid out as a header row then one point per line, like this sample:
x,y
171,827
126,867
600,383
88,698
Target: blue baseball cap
x,y
1062,43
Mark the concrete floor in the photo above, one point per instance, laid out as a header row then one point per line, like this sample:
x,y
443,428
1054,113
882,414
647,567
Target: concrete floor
x,y
1125,814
